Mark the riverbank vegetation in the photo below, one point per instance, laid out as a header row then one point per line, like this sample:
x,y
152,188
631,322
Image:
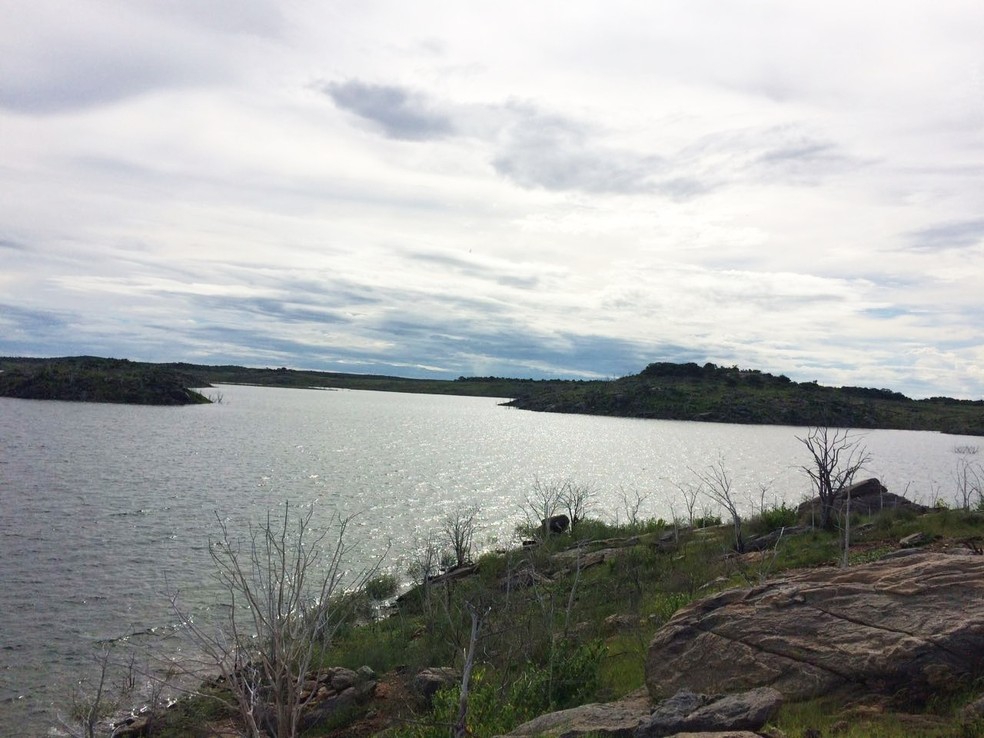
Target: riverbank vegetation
x,y
92,379
732,395
557,620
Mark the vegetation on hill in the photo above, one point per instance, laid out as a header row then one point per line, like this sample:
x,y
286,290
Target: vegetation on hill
x,y
733,395
662,390
569,621
93,379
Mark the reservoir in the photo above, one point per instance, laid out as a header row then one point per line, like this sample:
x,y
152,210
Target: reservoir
x,y
106,511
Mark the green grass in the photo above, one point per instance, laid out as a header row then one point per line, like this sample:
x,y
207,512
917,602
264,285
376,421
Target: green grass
x,y
567,635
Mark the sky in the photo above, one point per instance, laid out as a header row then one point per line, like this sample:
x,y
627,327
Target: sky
x,y
523,189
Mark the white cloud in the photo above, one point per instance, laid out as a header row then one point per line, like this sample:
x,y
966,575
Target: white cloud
x,y
498,187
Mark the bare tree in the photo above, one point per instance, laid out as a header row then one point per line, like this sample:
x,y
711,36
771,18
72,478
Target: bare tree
x,y
284,584
632,505
459,533
541,504
968,476
576,500
716,484
92,705
461,724
837,456
690,494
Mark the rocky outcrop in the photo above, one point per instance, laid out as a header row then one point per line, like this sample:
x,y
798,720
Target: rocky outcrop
x,y
608,720
684,713
688,711
554,525
867,498
324,693
914,623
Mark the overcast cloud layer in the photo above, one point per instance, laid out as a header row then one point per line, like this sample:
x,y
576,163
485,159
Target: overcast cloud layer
x,y
520,189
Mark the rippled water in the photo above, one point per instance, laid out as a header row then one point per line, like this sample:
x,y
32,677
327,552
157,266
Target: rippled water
x,y
105,510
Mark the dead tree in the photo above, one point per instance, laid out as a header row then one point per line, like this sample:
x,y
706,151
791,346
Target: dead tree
x,y
716,484
837,456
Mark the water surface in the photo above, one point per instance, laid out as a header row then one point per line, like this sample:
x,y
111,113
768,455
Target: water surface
x,y
106,510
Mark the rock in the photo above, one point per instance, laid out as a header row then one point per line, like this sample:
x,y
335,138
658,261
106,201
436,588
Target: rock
x,y
769,540
973,710
689,711
428,681
719,734
913,540
341,678
867,497
457,572
620,622
131,727
576,558
610,720
914,623
555,524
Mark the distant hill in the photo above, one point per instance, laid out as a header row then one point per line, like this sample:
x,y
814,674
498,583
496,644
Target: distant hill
x,y
662,390
732,395
93,379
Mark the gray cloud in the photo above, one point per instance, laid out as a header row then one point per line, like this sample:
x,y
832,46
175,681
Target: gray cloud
x,y
60,58
556,153
399,112
959,234
537,149
10,245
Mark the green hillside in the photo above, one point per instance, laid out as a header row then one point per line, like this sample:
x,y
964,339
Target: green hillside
x,y
731,395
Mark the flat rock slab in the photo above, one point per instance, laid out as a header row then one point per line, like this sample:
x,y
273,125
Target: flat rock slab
x,y
610,719
913,623
689,711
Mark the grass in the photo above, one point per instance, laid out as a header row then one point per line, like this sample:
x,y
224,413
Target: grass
x,y
556,632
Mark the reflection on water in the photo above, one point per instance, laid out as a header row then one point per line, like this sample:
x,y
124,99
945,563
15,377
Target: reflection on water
x,y
105,510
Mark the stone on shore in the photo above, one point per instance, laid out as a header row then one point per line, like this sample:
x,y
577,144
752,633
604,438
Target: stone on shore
x,y
914,623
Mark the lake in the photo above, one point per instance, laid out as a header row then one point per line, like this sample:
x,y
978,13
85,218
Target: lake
x,y
107,510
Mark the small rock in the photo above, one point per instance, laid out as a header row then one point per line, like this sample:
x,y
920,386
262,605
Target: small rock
x,y
132,727
619,622
342,679
973,710
427,682
913,540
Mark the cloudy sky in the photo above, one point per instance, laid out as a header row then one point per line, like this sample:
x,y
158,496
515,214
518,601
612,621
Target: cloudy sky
x,y
528,189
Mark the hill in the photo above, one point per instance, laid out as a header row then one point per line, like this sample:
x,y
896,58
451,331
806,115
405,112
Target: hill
x,y
93,379
732,395
662,390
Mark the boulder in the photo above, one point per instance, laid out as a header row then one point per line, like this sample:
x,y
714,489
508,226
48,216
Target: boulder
x,y
555,524
769,540
912,623
699,713
685,712
428,681
867,498
132,727
608,720
914,540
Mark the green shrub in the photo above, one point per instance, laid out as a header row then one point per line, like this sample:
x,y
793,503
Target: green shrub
x,y
381,587
569,678
773,518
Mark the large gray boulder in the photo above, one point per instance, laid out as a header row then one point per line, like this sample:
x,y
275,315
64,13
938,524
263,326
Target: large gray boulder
x,y
914,623
867,497
688,711
685,712
598,720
